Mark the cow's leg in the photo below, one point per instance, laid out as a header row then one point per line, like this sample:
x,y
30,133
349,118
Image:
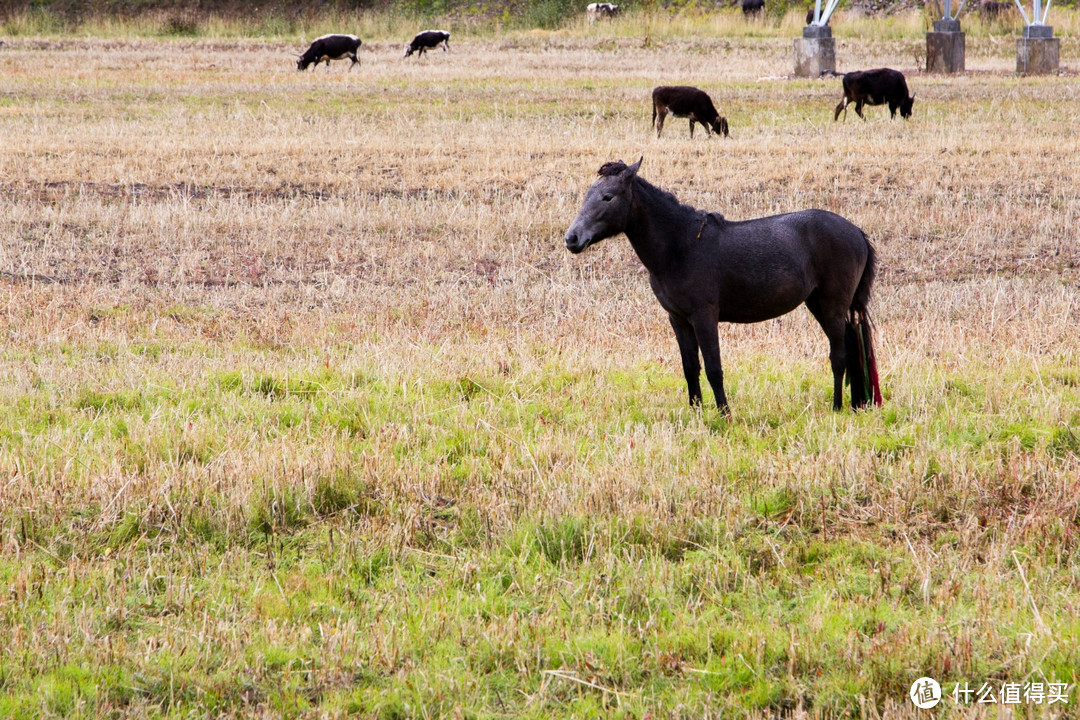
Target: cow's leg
x,y
446,46
688,349
708,339
691,128
660,122
858,109
842,105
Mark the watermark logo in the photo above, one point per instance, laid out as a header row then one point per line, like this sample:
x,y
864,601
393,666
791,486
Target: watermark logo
x,y
925,693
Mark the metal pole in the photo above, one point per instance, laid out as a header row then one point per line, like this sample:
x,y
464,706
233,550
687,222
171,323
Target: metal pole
x,y
828,12
1035,11
1022,12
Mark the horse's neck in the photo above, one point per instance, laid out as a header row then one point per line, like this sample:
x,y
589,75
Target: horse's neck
x,y
659,225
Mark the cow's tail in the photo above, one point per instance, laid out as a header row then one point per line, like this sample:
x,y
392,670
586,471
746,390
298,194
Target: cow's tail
x,y
862,373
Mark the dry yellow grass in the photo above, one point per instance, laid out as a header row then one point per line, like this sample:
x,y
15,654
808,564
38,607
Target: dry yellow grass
x,y
227,284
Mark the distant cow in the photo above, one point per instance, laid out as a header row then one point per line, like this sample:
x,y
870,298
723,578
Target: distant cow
x,y
752,7
686,102
810,15
876,87
993,10
330,47
601,10
427,40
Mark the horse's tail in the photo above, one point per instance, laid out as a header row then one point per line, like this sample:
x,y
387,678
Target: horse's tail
x,y
866,282
862,371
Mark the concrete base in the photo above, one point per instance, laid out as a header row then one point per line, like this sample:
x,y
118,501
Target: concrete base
x,y
945,52
815,52
1038,55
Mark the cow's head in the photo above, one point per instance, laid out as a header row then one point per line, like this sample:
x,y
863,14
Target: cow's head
x,y
720,126
905,107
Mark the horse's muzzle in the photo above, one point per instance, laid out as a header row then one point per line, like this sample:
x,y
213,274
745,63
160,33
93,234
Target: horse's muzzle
x,y
575,243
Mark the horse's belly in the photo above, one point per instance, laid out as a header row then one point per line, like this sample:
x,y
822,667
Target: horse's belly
x,y
755,315
742,302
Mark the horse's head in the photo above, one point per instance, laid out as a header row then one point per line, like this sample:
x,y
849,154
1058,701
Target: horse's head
x,y
606,208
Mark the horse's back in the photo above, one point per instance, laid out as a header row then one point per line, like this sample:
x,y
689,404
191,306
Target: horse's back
x,y
805,234
769,266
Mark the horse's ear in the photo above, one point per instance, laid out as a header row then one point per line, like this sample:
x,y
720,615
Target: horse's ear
x,y
632,170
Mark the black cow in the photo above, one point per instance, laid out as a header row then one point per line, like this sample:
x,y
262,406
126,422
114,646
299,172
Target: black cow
x,y
686,102
427,40
875,87
752,7
994,10
810,15
330,47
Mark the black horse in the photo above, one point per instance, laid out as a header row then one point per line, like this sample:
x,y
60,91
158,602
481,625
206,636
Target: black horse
x,y
705,269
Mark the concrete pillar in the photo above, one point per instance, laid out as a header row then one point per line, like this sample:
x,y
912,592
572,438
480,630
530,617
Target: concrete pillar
x,y
945,48
815,52
1038,52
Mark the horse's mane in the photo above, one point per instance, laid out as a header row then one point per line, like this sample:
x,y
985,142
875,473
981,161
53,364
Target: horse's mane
x,y
611,168
659,196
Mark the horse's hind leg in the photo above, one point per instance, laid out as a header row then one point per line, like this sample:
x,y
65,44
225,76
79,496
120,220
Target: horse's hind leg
x,y
834,325
688,349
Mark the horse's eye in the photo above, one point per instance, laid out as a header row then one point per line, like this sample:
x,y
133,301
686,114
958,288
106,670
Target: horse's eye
x,y
607,198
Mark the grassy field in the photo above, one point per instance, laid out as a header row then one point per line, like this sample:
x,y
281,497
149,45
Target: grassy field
x,y
305,410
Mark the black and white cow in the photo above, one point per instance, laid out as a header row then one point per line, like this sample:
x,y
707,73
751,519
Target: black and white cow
x,y
427,40
330,47
602,10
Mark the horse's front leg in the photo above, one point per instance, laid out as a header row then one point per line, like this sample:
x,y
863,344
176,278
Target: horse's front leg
x,y
688,349
708,338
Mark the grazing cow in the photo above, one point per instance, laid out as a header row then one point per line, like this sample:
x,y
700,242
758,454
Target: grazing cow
x,y
427,40
601,10
752,7
686,102
330,47
875,87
